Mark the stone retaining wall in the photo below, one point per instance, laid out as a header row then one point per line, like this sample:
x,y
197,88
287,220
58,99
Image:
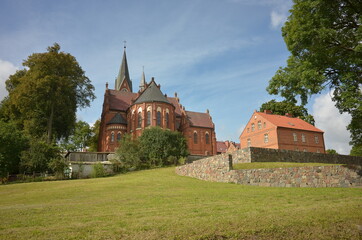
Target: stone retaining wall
x,y
218,169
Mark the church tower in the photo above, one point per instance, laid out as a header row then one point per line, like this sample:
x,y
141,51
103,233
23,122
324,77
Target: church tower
x,y
123,82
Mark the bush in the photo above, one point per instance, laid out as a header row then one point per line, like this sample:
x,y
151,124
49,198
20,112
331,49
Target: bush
x,y
98,170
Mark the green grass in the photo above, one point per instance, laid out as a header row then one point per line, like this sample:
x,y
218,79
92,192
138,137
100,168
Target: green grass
x,y
257,165
158,204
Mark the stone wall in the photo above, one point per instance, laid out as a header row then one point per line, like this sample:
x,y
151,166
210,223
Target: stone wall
x,y
276,155
219,169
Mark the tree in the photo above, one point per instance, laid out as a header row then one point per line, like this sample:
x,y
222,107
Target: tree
x,y
128,153
93,141
283,107
324,38
356,150
331,151
39,156
79,140
46,95
158,145
12,143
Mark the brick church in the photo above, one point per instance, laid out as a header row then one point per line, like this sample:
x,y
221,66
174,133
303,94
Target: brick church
x,y
128,112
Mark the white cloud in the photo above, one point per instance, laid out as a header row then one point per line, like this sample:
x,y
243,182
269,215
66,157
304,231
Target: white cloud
x,y
328,119
277,18
6,69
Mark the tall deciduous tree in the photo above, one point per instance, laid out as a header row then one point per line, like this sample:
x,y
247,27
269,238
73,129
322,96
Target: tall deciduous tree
x,y
324,38
46,94
283,107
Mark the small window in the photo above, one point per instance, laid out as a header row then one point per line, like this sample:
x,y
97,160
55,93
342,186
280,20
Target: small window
x,y
195,137
252,127
297,149
207,138
316,139
259,125
304,150
248,142
295,137
112,137
148,118
118,136
303,138
318,151
158,120
266,138
264,124
139,123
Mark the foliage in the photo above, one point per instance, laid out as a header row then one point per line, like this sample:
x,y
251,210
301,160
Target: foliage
x,y
80,138
93,140
283,107
158,145
12,143
128,153
324,38
38,156
154,148
58,165
331,151
98,170
45,95
356,150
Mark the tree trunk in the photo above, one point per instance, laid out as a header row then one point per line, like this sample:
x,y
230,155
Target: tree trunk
x,y
50,124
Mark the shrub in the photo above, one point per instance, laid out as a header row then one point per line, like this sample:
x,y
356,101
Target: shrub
x,y
98,170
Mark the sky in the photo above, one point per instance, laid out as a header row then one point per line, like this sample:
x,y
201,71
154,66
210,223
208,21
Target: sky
x,y
216,54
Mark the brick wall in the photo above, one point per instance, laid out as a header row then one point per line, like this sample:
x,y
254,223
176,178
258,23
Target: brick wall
x,y
218,169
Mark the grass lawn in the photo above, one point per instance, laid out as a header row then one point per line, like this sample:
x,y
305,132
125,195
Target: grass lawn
x,y
158,204
257,165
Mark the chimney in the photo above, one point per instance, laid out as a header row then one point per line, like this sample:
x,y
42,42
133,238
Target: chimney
x,y
289,115
268,112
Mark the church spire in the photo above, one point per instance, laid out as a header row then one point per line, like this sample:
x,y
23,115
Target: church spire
x,y
123,81
143,80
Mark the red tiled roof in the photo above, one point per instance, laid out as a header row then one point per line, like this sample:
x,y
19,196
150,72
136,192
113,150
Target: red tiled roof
x,y
198,119
120,100
288,122
174,102
221,147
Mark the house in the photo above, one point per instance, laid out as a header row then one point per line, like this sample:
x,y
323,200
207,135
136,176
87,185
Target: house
x,y
267,130
128,112
226,146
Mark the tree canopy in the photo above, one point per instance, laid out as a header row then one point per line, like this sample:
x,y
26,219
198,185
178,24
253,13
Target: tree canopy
x,y
45,96
283,107
324,38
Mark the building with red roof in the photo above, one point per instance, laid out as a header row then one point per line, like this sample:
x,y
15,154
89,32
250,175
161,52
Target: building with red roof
x,y
128,112
268,130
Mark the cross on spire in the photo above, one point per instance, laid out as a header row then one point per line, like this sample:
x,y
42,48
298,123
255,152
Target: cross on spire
x,y
124,44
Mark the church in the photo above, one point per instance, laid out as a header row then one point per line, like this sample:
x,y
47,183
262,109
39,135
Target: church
x,y
126,111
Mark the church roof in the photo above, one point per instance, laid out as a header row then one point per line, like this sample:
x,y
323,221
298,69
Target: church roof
x,y
152,94
198,119
123,74
174,102
117,119
288,122
120,101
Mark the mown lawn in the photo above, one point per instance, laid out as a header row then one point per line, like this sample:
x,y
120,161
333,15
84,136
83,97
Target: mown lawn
x,y
257,165
158,204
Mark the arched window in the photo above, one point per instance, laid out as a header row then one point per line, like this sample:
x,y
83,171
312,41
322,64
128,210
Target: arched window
x,y
167,120
207,138
195,137
266,138
118,136
158,120
112,137
148,118
139,117
248,142
252,127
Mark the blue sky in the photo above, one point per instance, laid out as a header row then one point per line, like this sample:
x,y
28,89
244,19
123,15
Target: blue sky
x,y
216,54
